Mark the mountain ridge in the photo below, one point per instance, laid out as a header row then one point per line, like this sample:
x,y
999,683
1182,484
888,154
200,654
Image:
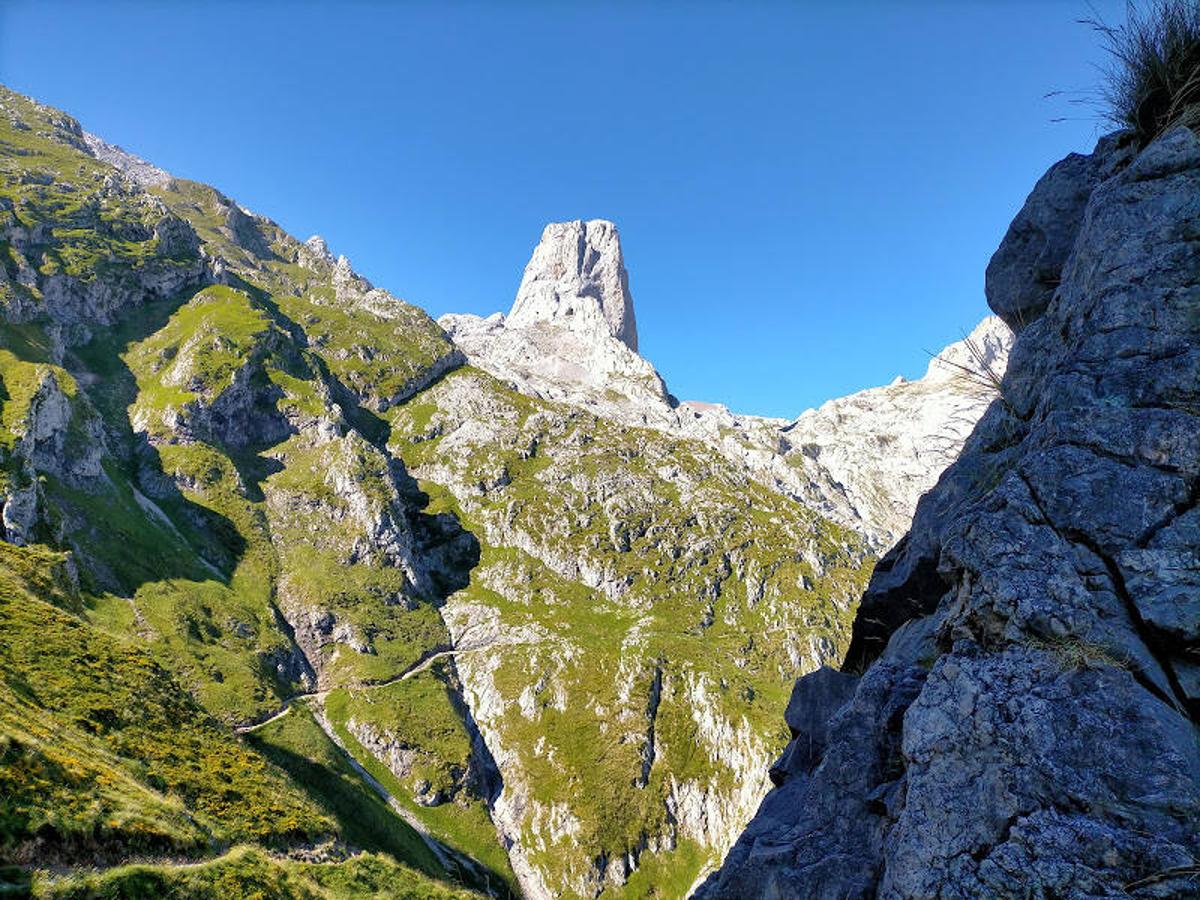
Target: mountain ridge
x,y
922,423
557,638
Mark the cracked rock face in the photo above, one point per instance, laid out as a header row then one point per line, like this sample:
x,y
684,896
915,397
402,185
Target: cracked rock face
x,y
1026,721
576,279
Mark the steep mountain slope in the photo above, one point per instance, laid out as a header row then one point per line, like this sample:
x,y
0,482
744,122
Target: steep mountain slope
x,y
310,582
1025,723
210,423
203,461
862,461
885,447
637,608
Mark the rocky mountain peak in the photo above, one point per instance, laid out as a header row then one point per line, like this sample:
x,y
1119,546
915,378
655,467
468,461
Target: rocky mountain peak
x,y
141,172
576,278
317,246
980,356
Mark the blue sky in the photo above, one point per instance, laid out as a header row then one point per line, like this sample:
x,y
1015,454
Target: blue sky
x,y
807,193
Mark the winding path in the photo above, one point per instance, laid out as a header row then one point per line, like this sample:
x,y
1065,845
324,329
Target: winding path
x,y
423,663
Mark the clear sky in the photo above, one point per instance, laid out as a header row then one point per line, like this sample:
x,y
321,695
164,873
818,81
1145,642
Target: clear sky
x,y
807,193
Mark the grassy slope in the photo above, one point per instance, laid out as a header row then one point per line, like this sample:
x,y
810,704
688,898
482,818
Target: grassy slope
x,y
193,589
297,745
247,872
584,490
181,594
419,712
104,752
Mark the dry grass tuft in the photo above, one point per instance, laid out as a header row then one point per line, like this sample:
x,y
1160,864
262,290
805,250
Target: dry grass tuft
x,y
1153,79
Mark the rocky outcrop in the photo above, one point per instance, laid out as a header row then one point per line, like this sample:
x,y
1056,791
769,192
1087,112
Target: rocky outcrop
x,y
1025,724
54,433
591,370
576,279
137,169
862,461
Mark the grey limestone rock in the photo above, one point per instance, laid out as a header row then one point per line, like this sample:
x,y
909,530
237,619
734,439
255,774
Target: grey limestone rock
x,y
576,278
1027,268
1025,724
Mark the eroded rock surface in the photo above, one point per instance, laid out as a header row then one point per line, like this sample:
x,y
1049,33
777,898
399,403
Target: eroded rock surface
x,y
1026,721
862,460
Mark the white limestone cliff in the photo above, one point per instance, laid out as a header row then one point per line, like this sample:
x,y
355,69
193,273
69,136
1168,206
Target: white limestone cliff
x,y
576,279
862,461
887,446
570,335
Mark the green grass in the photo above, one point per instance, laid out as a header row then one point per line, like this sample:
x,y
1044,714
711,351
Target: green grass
x,y
184,595
419,713
92,235
665,875
371,600
297,745
248,873
688,537
463,825
113,690
199,351
1153,80
104,749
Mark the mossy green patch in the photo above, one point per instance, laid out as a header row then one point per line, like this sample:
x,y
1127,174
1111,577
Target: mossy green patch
x,y
103,747
463,823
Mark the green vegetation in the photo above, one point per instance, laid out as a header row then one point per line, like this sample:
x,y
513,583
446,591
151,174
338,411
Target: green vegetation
x,y
246,872
297,745
118,654
79,227
1153,80
200,350
378,347
708,587
227,524
428,722
102,747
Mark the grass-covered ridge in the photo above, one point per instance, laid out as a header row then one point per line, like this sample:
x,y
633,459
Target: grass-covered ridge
x,y
207,438
105,752
62,215
236,592
249,872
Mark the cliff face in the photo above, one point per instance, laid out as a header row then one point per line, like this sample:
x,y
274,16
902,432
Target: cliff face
x,y
1025,720
577,279
861,461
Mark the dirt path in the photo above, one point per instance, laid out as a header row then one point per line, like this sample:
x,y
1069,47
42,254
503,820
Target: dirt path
x,y
415,669
282,711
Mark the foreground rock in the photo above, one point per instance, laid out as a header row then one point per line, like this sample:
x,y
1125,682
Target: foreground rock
x,y
1025,724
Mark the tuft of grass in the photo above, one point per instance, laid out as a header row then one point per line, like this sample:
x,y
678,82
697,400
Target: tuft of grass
x,y
1153,78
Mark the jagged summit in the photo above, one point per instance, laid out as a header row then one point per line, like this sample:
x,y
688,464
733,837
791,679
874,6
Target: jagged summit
x,y
571,337
571,334
576,278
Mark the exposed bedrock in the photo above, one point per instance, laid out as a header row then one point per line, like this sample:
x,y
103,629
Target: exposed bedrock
x,y
1025,719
